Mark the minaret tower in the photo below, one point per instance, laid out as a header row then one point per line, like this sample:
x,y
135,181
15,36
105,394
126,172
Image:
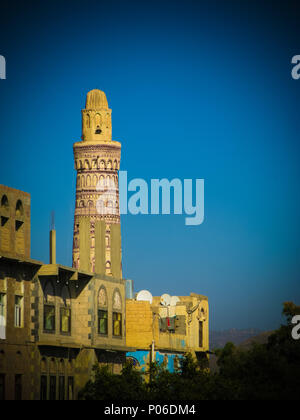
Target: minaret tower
x,y
97,233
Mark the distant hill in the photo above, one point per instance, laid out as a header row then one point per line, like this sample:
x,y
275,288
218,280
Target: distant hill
x,y
238,338
261,338
218,339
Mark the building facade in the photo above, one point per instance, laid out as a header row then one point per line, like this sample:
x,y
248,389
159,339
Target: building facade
x,y
57,322
163,333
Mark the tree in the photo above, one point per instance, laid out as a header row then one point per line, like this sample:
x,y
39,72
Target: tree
x,y
264,372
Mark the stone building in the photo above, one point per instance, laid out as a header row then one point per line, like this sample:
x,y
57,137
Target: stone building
x,y
164,332
56,322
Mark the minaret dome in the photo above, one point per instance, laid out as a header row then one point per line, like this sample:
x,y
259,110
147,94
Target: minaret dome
x,y
96,99
96,118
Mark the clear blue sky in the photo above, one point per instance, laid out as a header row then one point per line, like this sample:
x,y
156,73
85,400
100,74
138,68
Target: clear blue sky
x,y
198,90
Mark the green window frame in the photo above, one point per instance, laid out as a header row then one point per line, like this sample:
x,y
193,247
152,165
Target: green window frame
x,y
49,318
102,322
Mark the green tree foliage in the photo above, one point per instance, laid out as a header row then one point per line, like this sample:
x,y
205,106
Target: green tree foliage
x,y
264,372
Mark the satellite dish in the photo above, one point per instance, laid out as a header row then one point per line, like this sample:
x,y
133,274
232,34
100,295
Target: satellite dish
x,y
174,300
165,300
144,295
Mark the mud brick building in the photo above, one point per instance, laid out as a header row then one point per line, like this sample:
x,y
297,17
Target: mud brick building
x,y
163,333
57,322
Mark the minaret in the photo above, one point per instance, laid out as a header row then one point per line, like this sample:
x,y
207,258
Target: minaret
x,y
97,233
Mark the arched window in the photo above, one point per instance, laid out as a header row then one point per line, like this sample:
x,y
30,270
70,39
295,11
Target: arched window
x,y
49,308
102,297
88,121
19,228
43,365
98,120
4,202
117,314
65,310
5,231
49,295
102,311
52,365
117,300
19,209
95,180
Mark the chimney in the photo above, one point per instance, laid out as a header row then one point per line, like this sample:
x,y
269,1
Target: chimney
x,y
53,246
52,240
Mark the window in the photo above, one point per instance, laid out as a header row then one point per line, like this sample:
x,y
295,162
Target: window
x,y
200,334
70,388
65,320
4,202
52,395
102,311
65,311
49,318
19,209
117,324
49,308
117,315
2,305
61,388
117,301
18,387
2,316
2,387
18,311
102,322
44,388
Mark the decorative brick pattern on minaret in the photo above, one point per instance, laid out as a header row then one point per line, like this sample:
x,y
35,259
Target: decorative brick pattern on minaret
x,y
97,161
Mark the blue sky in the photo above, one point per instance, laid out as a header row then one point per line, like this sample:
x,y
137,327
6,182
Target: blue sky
x,y
197,90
